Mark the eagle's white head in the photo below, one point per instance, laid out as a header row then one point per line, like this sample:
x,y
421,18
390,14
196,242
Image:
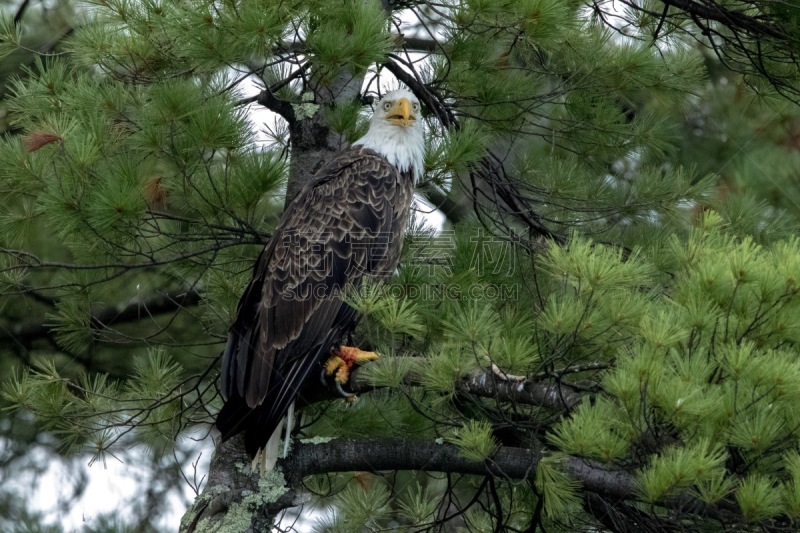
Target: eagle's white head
x,y
395,132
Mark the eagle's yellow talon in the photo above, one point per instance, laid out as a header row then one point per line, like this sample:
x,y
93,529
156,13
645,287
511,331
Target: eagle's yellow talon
x,y
343,374
343,360
333,364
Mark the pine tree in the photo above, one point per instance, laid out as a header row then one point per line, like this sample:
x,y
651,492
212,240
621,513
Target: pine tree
x,y
603,336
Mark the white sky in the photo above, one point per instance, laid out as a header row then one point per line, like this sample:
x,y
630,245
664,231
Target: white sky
x,y
111,487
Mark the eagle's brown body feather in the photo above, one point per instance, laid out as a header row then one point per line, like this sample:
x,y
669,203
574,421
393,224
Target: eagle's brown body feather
x,y
346,224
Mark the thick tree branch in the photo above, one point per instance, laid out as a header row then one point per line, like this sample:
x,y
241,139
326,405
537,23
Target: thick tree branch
x,y
273,103
347,455
233,486
483,383
486,384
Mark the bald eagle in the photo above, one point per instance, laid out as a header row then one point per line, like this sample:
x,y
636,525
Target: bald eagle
x,y
347,224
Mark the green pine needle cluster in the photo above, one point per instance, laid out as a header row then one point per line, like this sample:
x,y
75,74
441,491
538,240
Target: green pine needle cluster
x,y
557,490
678,468
361,508
711,360
474,440
417,506
349,32
95,413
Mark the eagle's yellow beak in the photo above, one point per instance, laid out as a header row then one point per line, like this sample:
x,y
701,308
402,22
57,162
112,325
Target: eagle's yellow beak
x,y
401,113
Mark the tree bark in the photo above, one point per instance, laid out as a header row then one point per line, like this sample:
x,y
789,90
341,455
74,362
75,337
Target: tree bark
x,y
313,142
236,495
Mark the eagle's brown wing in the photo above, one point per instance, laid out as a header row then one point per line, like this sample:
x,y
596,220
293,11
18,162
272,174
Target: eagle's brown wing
x,y
346,224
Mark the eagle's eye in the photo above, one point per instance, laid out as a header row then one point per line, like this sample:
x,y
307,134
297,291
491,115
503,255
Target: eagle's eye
x,y
415,106
387,106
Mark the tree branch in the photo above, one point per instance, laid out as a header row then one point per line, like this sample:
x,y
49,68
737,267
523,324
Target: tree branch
x,y
273,103
483,383
235,492
157,303
232,484
417,44
21,11
486,384
727,17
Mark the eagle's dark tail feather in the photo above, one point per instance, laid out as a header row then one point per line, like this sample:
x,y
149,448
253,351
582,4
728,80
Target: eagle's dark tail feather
x,y
234,417
256,423
260,422
285,386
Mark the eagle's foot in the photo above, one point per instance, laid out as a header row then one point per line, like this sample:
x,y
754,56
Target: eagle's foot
x,y
341,363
